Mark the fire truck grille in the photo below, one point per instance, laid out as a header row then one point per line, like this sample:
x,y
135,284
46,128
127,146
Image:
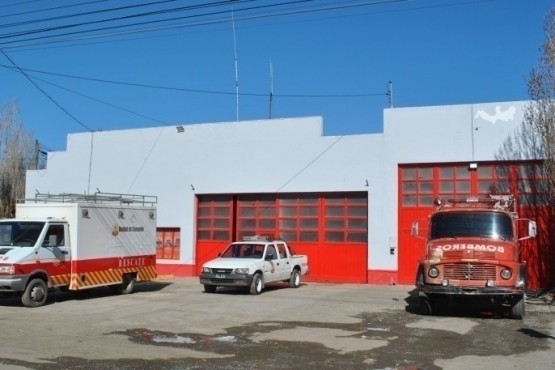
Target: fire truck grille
x,y
469,271
469,254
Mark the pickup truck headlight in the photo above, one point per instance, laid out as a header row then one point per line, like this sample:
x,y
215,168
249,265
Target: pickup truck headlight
x,y
242,271
7,269
206,269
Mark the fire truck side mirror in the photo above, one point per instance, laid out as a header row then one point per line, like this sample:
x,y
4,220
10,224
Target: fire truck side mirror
x,y
414,228
532,229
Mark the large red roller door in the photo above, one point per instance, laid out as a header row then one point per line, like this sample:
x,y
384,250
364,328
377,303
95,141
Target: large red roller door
x,y
331,228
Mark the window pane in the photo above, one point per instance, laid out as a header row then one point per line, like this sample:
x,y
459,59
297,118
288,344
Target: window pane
x,y
357,237
485,186
204,212
485,172
309,236
221,223
287,212
267,212
409,173
203,235
424,173
247,223
446,187
334,236
267,224
425,187
221,212
308,200
357,199
463,187
309,223
335,199
463,173
247,212
409,187
203,223
287,199
409,201
334,211
221,235
335,224
288,236
309,211
425,200
357,224
446,173
357,211
288,224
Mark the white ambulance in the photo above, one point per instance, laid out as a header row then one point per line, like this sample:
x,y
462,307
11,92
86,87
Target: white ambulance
x,y
75,242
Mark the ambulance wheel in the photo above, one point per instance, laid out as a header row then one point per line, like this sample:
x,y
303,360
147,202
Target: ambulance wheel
x,y
126,287
257,284
35,293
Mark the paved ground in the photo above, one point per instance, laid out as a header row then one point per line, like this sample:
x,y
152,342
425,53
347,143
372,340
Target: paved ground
x,y
172,324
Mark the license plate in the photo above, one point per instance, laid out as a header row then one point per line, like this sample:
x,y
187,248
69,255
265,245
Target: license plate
x,y
220,276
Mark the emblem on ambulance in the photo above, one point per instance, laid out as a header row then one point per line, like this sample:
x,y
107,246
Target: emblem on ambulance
x,y
115,230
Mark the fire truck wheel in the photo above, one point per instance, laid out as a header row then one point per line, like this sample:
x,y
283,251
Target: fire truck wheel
x,y
256,285
295,279
210,288
35,293
518,308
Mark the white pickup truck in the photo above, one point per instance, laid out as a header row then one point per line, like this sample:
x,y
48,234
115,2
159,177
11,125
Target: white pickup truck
x,y
253,263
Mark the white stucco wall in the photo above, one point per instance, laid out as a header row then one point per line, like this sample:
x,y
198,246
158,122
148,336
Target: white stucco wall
x,y
269,156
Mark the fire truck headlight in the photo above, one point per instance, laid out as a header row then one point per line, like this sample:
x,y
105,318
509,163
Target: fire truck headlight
x,y
433,272
506,274
7,269
206,269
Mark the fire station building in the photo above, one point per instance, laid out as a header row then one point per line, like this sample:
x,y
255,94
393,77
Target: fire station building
x,y
345,201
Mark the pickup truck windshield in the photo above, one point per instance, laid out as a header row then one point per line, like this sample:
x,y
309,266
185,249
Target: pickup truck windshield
x,y
19,233
244,251
492,225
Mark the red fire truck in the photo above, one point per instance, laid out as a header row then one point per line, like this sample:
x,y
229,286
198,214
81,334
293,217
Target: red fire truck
x,y
473,250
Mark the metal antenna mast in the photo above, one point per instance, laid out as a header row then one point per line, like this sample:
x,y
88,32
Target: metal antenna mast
x,y
236,64
271,87
390,93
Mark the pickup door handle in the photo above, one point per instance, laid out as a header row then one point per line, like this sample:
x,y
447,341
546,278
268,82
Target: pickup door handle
x,y
64,252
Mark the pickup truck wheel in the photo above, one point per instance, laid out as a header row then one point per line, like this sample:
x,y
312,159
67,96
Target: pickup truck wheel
x,y
35,293
210,288
256,285
295,279
518,308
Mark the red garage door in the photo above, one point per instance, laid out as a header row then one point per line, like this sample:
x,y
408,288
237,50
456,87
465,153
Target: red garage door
x,y
419,185
331,228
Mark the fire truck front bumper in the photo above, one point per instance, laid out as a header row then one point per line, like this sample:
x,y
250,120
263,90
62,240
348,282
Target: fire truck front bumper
x,y
231,280
470,290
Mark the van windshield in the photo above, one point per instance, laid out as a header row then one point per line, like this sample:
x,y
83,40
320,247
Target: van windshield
x,y
493,225
20,233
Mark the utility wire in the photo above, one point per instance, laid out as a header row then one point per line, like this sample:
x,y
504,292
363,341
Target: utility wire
x,y
44,92
215,92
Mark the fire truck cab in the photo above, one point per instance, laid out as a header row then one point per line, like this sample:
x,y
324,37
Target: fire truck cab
x,y
473,249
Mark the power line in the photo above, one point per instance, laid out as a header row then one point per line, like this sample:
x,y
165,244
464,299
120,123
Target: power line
x,y
44,92
200,91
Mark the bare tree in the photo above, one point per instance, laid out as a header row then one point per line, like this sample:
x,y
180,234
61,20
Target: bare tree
x,y
18,153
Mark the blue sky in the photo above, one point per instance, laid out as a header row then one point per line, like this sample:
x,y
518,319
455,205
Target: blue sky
x,y
334,63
